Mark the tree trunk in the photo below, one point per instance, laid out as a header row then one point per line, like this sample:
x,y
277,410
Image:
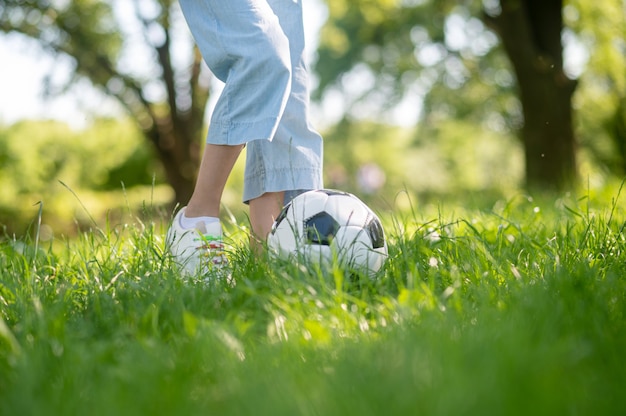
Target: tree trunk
x,y
548,134
180,162
530,31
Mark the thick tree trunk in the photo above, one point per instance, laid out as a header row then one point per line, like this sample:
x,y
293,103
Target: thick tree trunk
x,y
182,184
547,134
180,165
530,31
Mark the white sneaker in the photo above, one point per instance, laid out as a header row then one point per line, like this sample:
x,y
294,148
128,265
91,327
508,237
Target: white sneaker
x,y
199,250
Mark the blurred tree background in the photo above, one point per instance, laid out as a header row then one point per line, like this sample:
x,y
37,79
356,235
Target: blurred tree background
x,y
421,97
128,50
495,64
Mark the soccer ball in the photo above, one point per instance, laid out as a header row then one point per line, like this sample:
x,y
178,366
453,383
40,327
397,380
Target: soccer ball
x,y
326,225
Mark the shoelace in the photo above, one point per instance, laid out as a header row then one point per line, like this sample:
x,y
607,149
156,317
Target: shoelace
x,y
213,248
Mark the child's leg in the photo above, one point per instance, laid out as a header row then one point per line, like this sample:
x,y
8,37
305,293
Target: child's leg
x,y
263,212
217,163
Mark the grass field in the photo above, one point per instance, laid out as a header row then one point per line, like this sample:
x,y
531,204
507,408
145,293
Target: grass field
x,y
515,310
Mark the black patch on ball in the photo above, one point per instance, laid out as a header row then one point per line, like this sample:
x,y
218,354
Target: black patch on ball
x,y
281,217
375,230
321,229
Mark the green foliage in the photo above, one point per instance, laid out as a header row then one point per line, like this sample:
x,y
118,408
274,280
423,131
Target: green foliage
x,y
440,51
71,28
42,159
516,309
601,98
430,162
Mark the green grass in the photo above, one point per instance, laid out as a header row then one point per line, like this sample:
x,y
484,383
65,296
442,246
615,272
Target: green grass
x,y
519,309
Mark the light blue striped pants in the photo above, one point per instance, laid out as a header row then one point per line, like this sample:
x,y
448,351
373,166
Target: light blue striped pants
x,y
256,47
